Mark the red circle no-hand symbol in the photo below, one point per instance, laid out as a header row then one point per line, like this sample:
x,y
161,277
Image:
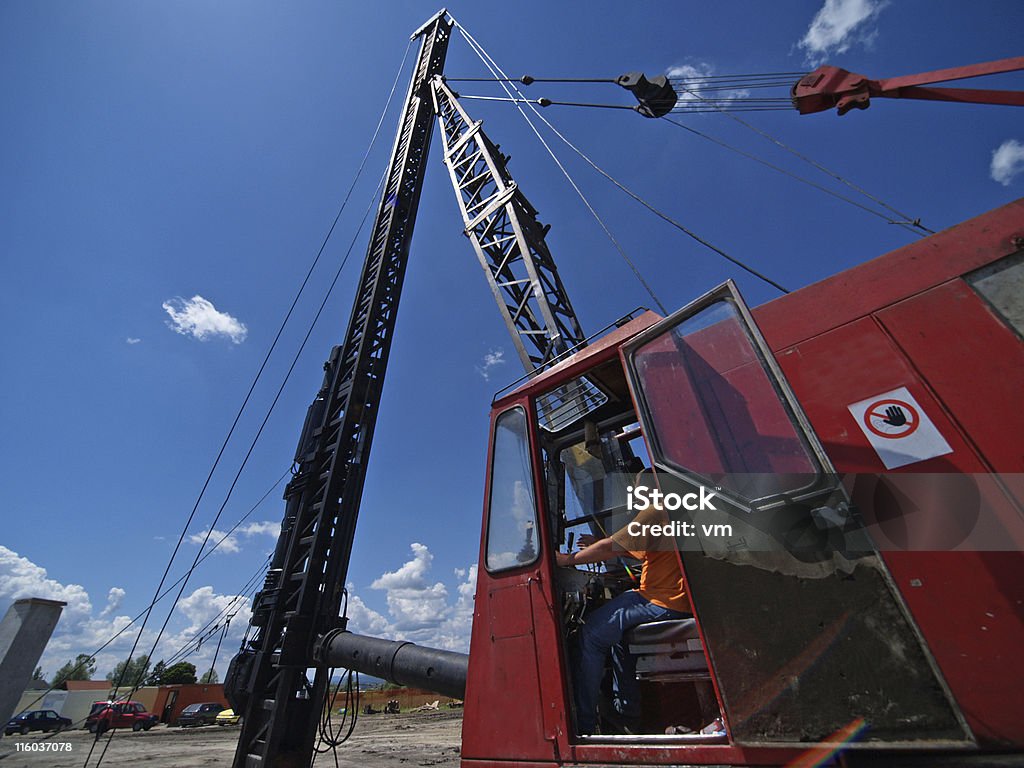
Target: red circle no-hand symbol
x,y
892,418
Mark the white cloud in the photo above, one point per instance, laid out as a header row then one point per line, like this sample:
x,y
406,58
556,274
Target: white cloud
x,y
114,598
419,610
80,631
689,88
132,340
232,543
261,528
688,72
412,601
454,631
1007,162
20,577
692,76
204,604
197,317
838,25
492,360
202,607
366,621
228,545
410,575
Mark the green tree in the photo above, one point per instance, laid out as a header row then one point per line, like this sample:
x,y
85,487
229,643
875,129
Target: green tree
x,y
209,676
182,672
156,677
38,675
80,669
130,672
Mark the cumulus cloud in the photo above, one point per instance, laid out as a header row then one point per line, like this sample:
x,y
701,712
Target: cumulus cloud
x,y
454,631
205,604
20,578
132,340
411,574
78,631
492,360
1007,162
262,528
413,602
364,620
198,318
839,25
692,78
81,631
419,609
114,598
232,543
202,617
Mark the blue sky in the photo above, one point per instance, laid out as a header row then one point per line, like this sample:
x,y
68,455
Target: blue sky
x,y
167,172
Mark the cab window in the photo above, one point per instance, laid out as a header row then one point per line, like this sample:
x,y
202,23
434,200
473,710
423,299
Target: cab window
x,y
713,410
512,520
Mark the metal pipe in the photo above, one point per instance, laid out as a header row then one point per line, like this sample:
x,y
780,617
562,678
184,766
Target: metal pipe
x,y
400,662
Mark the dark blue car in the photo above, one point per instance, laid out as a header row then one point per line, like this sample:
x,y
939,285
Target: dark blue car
x,y
200,714
44,720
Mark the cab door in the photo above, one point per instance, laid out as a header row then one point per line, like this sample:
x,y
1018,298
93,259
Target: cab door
x,y
805,631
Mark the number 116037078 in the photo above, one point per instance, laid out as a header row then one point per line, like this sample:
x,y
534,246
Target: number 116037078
x,y
43,746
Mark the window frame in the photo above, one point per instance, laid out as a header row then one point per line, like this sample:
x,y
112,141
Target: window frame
x,y
824,479
538,544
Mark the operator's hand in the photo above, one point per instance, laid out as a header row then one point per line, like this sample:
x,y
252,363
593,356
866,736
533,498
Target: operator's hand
x,y
586,539
563,559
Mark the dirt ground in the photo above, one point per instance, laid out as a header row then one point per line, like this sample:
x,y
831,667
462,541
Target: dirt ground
x,y
380,741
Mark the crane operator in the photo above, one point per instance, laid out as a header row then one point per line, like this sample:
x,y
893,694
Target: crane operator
x,y
661,596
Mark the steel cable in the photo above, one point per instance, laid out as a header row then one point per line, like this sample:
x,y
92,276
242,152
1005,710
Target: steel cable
x,y
695,86
164,594
781,170
621,186
492,66
908,221
252,387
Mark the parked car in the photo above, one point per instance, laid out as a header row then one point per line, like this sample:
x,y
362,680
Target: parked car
x,y
200,714
44,720
228,717
122,714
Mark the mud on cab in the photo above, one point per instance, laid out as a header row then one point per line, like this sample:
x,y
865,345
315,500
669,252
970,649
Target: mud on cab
x,y
822,613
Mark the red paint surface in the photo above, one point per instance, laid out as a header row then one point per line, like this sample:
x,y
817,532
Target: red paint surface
x,y
904,319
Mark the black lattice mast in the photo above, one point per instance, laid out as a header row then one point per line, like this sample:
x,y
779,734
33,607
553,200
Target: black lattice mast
x,y
507,237
302,595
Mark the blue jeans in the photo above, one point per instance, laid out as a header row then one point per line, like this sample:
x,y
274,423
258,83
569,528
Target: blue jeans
x,y
602,633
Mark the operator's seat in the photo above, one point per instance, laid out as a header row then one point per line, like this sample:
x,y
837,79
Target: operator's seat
x,y
671,652
668,650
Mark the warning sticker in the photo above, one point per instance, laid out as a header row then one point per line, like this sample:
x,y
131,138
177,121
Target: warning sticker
x,y
898,428
891,418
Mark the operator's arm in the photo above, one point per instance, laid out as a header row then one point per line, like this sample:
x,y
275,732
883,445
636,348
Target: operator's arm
x,y
599,551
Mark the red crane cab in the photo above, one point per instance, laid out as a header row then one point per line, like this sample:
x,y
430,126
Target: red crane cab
x,y
857,580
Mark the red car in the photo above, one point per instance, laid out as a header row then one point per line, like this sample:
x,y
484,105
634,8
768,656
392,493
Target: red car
x,y
119,714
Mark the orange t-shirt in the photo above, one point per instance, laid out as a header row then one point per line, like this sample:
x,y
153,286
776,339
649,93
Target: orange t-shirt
x,y
661,579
